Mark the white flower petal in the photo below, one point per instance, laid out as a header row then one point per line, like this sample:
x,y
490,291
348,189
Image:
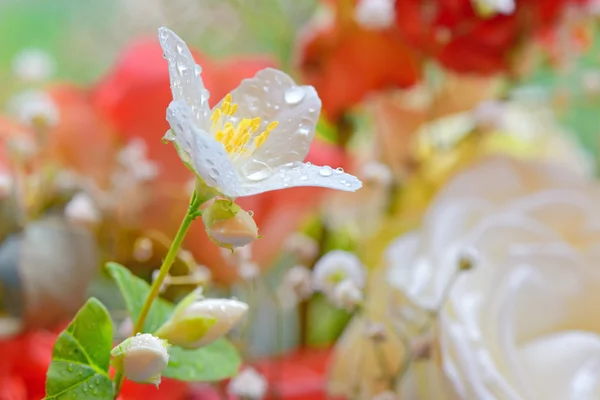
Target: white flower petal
x,y
207,157
300,174
186,82
273,96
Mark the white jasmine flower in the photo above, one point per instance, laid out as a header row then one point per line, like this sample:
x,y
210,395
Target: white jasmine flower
x,y
255,139
375,14
335,267
198,321
34,107
346,295
34,65
249,383
141,358
377,173
81,209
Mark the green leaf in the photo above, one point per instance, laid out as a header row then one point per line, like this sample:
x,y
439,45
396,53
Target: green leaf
x,y
135,291
81,355
217,361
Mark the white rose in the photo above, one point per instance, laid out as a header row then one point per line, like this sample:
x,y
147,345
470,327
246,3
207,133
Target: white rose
x,y
520,325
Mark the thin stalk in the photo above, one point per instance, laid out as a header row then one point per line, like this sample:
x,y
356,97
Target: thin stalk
x,y
163,273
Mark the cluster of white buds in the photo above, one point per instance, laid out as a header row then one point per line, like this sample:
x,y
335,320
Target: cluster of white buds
x,y
340,275
82,210
34,108
295,287
133,157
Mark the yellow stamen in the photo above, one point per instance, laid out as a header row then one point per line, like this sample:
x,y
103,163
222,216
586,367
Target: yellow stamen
x,y
225,107
272,126
234,138
216,115
255,124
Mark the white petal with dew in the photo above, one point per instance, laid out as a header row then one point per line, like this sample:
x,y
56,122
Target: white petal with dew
x,y
207,157
302,174
273,96
186,81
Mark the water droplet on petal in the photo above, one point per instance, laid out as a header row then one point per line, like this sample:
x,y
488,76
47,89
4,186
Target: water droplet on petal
x,y
256,170
181,68
179,49
303,177
294,95
339,170
303,131
326,171
308,163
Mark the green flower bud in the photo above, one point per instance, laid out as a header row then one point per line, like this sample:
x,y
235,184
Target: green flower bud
x,y
197,321
228,225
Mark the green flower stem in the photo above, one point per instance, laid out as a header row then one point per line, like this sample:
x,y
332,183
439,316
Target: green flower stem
x,y
118,382
192,213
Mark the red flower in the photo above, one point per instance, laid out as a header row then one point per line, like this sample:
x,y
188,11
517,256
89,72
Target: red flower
x,y
452,32
134,97
23,365
345,62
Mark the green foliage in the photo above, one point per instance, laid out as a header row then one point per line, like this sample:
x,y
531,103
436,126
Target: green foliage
x,y
216,361
81,355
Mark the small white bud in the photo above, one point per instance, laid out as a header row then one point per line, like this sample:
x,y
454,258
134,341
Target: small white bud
x,y
346,295
375,14
34,108
133,157
302,246
295,287
377,173
197,321
81,209
142,249
248,270
141,358
33,65
335,267
376,332
490,114
388,395
6,184
250,384
489,8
